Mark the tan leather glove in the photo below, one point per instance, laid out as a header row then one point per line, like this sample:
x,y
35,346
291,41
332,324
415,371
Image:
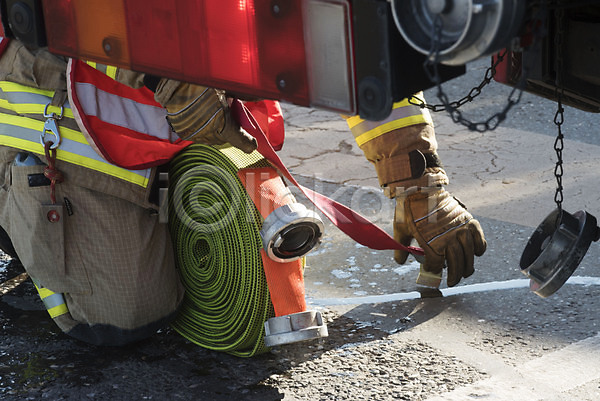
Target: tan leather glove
x,y
202,115
403,149
448,234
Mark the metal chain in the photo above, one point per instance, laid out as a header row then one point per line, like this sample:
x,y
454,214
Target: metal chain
x,y
431,68
473,93
559,117
559,145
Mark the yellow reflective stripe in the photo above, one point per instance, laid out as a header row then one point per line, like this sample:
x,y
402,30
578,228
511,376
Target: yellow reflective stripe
x,y
403,115
35,146
36,125
34,108
58,310
22,144
29,108
392,125
111,71
44,292
106,168
79,160
355,120
13,87
95,162
54,311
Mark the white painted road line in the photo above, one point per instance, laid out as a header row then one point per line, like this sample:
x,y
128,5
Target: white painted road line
x,y
445,292
544,378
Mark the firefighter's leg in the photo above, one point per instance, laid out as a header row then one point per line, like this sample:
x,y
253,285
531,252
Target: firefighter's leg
x,y
103,265
7,155
403,151
135,288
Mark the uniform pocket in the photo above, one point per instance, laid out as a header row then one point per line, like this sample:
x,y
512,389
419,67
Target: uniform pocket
x,y
38,232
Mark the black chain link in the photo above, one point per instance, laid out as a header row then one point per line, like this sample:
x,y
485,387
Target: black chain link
x,y
431,69
559,117
473,93
559,146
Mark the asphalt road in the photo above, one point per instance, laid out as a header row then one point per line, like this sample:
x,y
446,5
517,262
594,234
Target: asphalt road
x,y
491,338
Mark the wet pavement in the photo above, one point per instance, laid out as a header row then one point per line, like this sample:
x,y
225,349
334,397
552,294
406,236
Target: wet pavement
x,y
491,338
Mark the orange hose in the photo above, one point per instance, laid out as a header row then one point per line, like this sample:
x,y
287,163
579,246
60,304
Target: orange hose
x,y
285,280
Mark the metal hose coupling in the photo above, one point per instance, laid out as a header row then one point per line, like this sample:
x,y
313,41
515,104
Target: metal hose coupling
x,y
295,327
556,248
291,231
468,29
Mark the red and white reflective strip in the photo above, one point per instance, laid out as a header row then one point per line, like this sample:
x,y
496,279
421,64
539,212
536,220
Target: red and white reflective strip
x,y
126,126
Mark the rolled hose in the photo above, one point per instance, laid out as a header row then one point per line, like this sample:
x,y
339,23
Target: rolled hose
x,y
215,228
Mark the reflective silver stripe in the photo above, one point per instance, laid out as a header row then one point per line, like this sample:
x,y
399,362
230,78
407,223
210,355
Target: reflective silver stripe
x,y
123,112
24,133
447,231
26,98
26,103
189,105
67,145
99,67
54,300
450,200
69,150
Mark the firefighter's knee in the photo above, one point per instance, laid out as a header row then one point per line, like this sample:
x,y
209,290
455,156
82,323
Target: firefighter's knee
x,y
100,320
110,335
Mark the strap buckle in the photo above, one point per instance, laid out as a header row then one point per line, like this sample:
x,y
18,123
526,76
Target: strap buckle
x,y
51,128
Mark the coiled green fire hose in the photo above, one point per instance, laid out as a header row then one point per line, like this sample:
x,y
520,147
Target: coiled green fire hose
x,y
215,231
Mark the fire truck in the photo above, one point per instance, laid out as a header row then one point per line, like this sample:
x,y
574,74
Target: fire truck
x,y
348,56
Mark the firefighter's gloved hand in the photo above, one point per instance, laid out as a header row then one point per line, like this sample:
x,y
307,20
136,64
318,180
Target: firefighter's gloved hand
x,y
202,115
448,234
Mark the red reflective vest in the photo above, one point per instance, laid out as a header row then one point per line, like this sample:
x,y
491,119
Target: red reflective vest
x,y
128,127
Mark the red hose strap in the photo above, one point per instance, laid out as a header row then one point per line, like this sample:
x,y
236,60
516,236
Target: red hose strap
x,y
351,223
50,172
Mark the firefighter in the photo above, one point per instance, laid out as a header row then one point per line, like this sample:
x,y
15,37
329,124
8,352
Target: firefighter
x,y
403,150
87,231
78,200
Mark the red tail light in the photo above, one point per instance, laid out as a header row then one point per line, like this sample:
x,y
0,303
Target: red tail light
x,y
252,47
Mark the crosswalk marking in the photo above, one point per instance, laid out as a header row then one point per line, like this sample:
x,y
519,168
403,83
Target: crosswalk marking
x,y
542,379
